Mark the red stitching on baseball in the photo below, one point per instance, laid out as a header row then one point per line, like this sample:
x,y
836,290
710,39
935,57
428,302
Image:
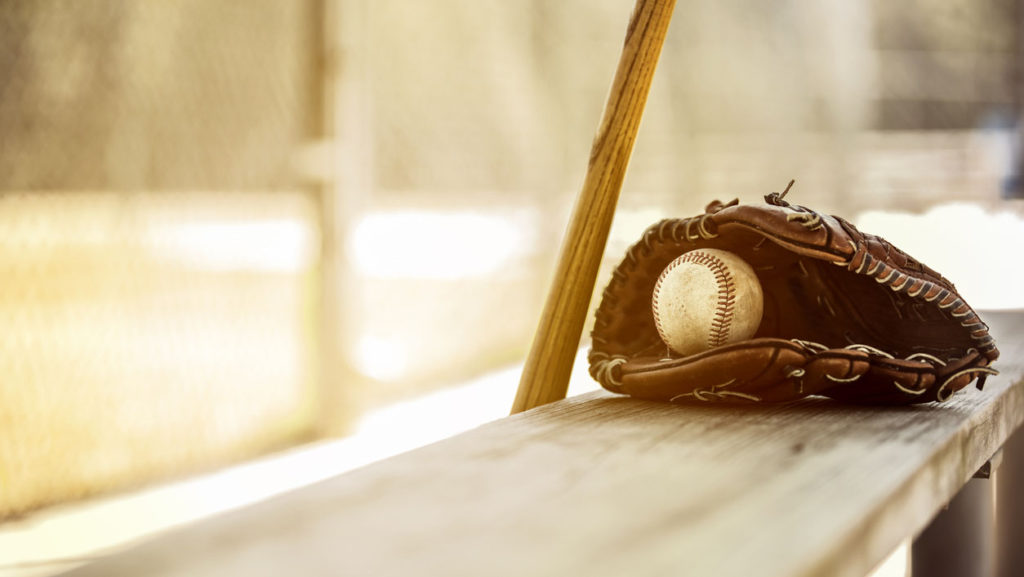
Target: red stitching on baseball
x,y
654,299
726,295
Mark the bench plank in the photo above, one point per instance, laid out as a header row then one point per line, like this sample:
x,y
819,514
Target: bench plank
x,y
601,485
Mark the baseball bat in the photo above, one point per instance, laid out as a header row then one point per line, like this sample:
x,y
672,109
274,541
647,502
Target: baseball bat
x,y
545,376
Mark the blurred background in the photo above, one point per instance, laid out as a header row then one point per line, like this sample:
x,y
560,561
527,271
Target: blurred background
x,y
232,230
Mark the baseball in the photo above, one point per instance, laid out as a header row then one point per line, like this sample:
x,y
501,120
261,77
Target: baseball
x,y
706,298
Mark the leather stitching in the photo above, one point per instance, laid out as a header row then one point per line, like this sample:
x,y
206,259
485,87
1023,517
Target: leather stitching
x,y
724,308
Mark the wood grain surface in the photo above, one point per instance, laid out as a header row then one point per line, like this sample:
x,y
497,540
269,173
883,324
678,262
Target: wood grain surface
x,y
601,485
549,363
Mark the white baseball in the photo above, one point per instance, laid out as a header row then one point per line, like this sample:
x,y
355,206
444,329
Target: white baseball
x,y
706,298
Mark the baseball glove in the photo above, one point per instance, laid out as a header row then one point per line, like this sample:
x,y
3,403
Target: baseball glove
x,y
846,315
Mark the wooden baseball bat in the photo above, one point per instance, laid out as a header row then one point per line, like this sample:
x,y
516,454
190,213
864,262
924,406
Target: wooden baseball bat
x,y
548,366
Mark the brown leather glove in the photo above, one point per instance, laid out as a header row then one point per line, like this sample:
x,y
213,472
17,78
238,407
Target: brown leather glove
x,y
846,315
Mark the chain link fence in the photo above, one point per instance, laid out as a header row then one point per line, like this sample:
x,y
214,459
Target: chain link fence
x,y
158,258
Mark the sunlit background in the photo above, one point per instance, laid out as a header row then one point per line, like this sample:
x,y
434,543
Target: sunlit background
x,y
248,245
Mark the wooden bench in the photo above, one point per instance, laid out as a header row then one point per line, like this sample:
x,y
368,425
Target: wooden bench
x,y
603,485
